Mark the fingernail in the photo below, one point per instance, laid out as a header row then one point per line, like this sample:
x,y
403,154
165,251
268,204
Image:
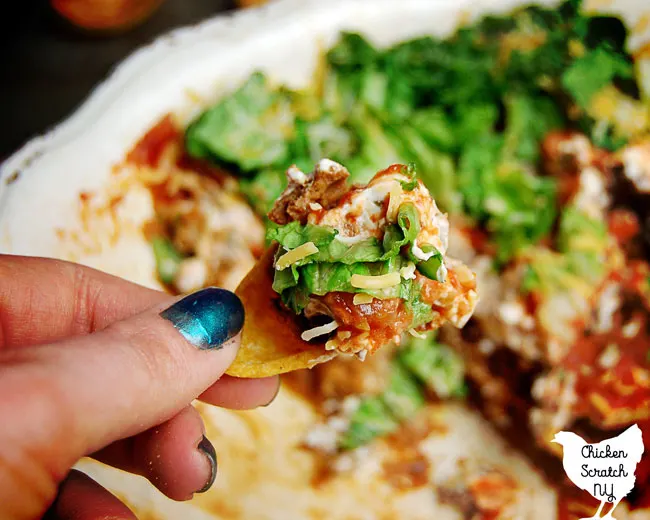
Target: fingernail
x,y
208,318
207,449
276,393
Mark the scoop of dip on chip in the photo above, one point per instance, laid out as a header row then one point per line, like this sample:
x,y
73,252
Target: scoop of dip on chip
x,y
349,269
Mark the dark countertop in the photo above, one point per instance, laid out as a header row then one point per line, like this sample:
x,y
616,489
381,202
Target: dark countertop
x,y
49,69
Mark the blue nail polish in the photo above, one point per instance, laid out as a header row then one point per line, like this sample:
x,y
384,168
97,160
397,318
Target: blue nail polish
x,y
207,318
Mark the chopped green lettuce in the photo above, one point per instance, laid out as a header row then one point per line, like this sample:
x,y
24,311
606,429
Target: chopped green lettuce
x,y
421,363
330,249
376,150
498,186
352,52
529,119
323,277
332,267
473,122
594,71
264,189
324,137
371,420
438,367
583,240
435,127
382,414
431,267
522,210
404,396
436,169
420,310
250,128
167,257
579,261
403,233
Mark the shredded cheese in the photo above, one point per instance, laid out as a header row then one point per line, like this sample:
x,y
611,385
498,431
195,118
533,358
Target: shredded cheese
x,y
419,254
383,281
610,356
408,271
296,175
361,299
417,334
296,254
394,201
310,334
331,344
328,164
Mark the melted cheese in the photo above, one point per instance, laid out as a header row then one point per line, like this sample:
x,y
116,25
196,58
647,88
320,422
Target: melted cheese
x,y
383,281
295,255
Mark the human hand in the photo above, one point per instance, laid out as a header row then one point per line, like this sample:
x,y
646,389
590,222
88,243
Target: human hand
x,y
93,365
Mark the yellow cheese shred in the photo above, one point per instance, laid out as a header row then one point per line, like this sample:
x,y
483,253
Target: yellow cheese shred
x,y
360,299
394,201
382,281
291,257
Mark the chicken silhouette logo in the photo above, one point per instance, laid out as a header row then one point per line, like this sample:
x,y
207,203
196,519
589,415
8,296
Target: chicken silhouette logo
x,y
606,469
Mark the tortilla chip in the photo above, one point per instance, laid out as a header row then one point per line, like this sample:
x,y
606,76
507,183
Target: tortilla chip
x,y
271,342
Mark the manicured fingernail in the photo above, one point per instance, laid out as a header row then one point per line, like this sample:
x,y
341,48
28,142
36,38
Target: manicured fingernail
x,y
276,393
208,318
207,449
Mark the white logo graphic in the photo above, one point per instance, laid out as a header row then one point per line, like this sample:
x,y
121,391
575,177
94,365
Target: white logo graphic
x,y
606,469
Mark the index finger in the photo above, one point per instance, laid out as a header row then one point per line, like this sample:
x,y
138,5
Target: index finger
x,y
44,300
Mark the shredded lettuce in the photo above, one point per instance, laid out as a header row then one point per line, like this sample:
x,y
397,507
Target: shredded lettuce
x,y
521,211
438,367
264,189
322,277
382,414
411,293
594,71
352,52
421,364
431,267
579,261
323,137
251,128
371,420
331,269
529,119
517,207
403,233
330,249
404,396
583,240
167,257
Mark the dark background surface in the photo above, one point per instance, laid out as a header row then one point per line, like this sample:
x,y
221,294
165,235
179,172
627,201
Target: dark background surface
x,y
48,69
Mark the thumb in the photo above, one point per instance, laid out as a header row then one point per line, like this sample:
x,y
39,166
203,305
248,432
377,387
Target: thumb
x,y
64,400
